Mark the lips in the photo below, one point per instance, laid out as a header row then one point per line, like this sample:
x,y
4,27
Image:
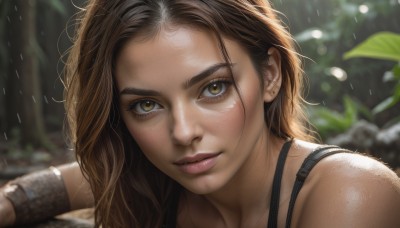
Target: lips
x,y
197,164
196,158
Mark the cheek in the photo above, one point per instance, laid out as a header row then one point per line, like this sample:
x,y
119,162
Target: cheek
x,y
227,122
154,145
150,138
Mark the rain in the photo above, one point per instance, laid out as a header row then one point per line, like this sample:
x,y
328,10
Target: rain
x,y
330,36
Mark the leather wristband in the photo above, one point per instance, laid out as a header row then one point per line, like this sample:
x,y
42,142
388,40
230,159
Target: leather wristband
x,y
38,196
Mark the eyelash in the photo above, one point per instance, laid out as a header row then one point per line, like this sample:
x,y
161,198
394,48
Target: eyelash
x,y
226,82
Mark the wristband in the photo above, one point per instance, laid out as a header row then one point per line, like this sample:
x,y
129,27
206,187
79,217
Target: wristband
x,y
38,196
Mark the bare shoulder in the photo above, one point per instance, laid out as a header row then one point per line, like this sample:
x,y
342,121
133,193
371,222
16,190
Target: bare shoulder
x,y
349,190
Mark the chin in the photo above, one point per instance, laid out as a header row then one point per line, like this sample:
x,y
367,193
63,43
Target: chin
x,y
203,186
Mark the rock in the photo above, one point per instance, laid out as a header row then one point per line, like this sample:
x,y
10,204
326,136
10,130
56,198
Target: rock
x,y
365,137
360,137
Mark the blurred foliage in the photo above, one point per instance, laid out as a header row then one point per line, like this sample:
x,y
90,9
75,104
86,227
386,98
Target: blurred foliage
x,y
324,31
329,122
386,46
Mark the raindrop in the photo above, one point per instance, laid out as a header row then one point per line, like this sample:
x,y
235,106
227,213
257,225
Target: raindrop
x,y
370,92
351,86
34,100
16,72
317,12
309,19
5,136
355,19
8,43
22,57
20,92
323,102
354,36
20,17
4,91
19,118
15,8
8,19
45,99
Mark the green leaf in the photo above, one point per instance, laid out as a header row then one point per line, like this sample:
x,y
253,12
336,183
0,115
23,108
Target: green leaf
x,y
385,104
383,45
396,71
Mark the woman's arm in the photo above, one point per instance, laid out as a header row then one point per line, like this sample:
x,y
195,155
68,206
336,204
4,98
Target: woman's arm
x,y
24,198
78,189
349,190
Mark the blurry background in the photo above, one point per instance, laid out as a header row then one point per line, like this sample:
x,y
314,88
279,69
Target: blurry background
x,y
354,100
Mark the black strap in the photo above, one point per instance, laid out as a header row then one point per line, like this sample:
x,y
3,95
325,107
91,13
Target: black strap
x,y
311,160
276,186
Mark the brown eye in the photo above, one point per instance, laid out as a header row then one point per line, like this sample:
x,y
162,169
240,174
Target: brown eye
x,y
144,107
147,106
215,89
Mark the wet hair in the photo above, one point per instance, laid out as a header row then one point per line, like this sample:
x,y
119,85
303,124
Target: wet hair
x,y
128,190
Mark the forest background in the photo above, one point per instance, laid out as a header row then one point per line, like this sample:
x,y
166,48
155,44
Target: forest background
x,y
35,36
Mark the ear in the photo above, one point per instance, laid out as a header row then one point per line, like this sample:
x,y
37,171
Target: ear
x,y
272,75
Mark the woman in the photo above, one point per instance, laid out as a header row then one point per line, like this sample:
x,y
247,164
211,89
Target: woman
x,y
182,113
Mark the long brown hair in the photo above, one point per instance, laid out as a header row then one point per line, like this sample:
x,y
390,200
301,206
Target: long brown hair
x,y
128,190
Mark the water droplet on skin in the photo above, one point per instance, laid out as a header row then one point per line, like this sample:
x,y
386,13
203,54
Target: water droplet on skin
x,y
19,118
5,136
351,86
16,72
34,100
45,99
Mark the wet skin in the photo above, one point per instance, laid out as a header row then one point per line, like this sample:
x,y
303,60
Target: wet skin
x,y
176,90
179,104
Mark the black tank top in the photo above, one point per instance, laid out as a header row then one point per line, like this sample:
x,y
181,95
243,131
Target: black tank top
x,y
311,160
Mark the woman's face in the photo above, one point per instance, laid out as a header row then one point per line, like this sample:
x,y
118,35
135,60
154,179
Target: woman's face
x,y
180,105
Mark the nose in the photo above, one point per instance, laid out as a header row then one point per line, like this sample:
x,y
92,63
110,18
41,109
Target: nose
x,y
185,127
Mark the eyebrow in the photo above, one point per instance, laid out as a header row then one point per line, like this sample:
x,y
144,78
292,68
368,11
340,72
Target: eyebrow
x,y
191,82
205,73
